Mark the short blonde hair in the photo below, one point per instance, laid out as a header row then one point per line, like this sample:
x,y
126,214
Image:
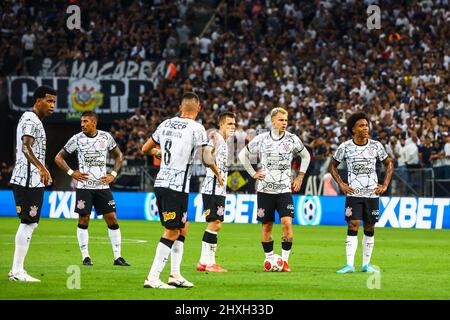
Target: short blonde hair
x,y
275,111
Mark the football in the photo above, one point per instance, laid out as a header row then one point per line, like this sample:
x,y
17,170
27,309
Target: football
x,y
273,263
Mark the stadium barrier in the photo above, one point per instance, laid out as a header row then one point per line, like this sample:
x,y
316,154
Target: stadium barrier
x,y
397,212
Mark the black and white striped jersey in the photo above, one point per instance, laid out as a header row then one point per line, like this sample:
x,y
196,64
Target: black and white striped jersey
x,y
276,158
92,154
210,184
361,165
179,139
25,173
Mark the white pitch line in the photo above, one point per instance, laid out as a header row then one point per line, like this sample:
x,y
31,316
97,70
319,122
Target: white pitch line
x,y
98,240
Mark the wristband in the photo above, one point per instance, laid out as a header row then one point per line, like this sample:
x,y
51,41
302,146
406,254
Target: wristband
x,y
114,174
70,172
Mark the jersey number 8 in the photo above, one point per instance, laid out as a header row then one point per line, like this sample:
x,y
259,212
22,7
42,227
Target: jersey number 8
x,y
167,154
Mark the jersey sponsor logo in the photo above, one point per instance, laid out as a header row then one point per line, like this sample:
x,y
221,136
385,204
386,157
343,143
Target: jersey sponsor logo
x,y
271,165
19,209
33,211
275,186
173,134
261,212
169,216
220,210
175,125
207,212
363,192
348,211
94,159
81,204
362,166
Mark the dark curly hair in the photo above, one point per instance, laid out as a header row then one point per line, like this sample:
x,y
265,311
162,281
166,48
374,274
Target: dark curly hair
x,y
353,119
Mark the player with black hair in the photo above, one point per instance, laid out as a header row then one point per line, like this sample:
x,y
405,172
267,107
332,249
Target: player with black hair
x,y
92,147
362,190
30,176
180,138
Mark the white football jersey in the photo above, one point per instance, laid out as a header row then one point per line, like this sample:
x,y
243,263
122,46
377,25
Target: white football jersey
x,y
92,153
361,165
25,173
210,184
179,139
276,158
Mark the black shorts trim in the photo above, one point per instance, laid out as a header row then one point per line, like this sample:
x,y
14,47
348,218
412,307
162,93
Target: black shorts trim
x,y
28,203
268,203
172,207
102,200
213,207
367,209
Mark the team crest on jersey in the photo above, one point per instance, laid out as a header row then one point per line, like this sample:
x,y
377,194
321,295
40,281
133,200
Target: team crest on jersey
x,y
261,212
33,211
207,212
371,151
286,147
184,219
81,204
100,144
220,211
348,211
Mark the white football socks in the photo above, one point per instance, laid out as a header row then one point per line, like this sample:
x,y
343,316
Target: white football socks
x,y
22,243
116,242
83,240
159,262
176,256
350,248
368,243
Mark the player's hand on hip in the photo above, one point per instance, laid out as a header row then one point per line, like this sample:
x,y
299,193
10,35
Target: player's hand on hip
x,y
297,184
220,180
108,178
46,178
346,189
79,176
380,189
260,175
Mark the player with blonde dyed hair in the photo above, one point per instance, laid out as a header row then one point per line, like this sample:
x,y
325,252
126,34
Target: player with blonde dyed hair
x,y
276,149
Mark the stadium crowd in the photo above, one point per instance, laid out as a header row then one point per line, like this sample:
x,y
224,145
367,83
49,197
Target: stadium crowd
x,y
318,59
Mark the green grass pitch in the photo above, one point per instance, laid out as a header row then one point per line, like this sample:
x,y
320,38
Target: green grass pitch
x,y
414,264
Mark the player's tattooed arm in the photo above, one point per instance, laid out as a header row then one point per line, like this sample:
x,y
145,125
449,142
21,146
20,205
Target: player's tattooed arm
x,y
117,155
389,163
345,188
60,161
27,143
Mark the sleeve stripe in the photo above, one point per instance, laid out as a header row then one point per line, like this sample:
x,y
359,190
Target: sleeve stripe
x,y
64,148
336,159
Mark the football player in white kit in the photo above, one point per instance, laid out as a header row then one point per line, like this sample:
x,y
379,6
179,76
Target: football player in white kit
x,y
214,193
179,138
362,190
92,147
30,176
276,149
